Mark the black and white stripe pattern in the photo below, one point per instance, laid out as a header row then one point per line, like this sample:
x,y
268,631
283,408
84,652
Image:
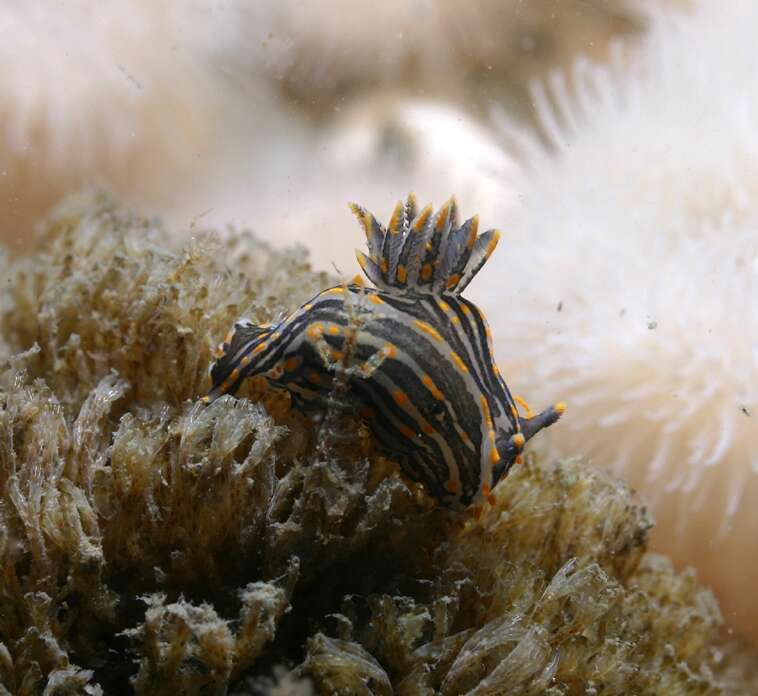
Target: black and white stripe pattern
x,y
417,357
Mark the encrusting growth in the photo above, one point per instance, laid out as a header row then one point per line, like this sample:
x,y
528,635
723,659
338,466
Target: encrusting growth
x,y
420,363
155,546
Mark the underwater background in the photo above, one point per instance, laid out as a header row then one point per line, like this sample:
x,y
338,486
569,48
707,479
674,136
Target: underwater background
x,y
168,168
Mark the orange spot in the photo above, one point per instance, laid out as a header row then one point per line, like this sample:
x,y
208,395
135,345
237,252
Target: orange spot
x,y
389,350
466,439
432,387
458,361
358,280
291,364
313,376
375,299
423,216
260,348
314,331
367,223
384,267
233,375
426,271
455,321
494,455
427,428
560,407
473,233
334,330
337,355
245,360
491,499
466,310
519,460
426,328
522,402
402,274
453,280
400,397
334,291
444,306
395,219
228,338
519,440
514,412
405,430
442,216
486,410
453,486
476,511
205,399
493,243
357,211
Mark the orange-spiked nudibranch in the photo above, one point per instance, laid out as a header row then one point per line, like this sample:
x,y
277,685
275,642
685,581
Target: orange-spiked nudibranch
x,y
413,353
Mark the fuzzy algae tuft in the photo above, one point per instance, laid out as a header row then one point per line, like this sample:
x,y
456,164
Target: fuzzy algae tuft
x,y
152,544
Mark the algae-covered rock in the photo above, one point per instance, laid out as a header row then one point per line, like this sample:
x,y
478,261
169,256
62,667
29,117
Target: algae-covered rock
x,y
151,544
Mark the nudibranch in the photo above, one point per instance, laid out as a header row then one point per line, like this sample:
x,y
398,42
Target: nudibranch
x,y
415,358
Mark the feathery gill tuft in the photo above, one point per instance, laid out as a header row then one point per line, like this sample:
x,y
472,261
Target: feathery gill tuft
x,y
423,253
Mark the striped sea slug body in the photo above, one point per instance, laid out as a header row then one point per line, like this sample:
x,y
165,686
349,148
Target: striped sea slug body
x,y
415,357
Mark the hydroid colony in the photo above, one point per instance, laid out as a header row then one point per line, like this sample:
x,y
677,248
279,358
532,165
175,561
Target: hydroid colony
x,y
634,248
151,543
